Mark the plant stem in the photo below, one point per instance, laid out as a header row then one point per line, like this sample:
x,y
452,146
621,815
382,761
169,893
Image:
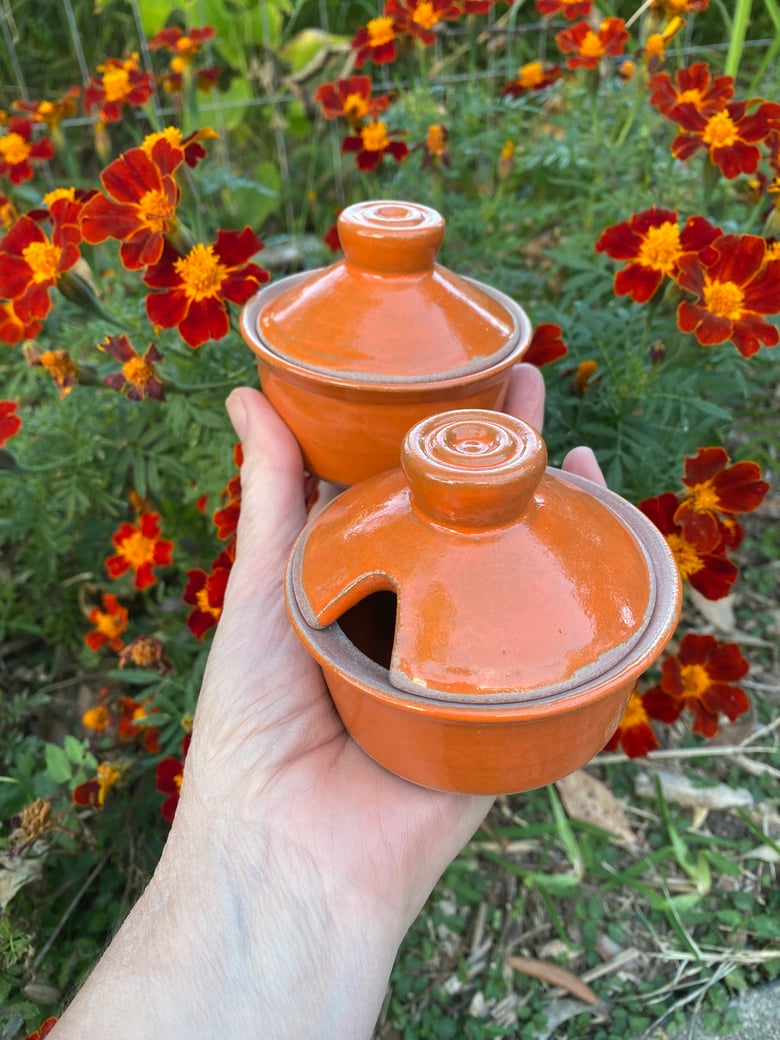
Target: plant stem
x,y
738,33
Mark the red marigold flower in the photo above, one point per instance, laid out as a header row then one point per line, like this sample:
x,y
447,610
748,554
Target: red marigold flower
x,y
32,263
710,573
169,776
50,112
330,238
570,9
140,549
10,423
141,207
198,284
700,678
730,135
534,75
43,1029
184,46
694,86
588,47
375,42
190,145
206,593
652,243
109,624
138,376
372,143
546,345
58,363
134,722
17,150
735,285
121,83
420,17
351,99
714,487
93,792
634,733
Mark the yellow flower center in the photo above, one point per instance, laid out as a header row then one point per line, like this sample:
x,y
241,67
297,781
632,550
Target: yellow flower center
x,y
591,46
703,498
660,247
177,779
425,16
110,625
723,299
137,549
201,272
692,97
635,714
720,131
374,136
43,259
138,371
655,46
380,31
695,680
184,44
96,718
530,75
14,149
685,555
156,210
355,106
434,140
59,193
116,83
204,606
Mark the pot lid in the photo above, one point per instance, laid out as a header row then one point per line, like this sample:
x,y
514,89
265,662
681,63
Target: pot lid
x,y
388,310
513,581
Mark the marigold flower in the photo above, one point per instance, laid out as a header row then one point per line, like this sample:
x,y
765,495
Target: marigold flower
x,y
652,243
372,143
583,376
139,549
109,624
710,573
435,145
183,46
375,41
138,377
169,776
141,204
190,145
122,82
58,363
672,7
93,792
17,150
206,593
134,722
694,86
700,678
43,1029
546,345
50,112
197,286
8,211
634,733
534,75
32,263
735,285
570,9
10,423
96,718
145,652
587,48
351,99
714,487
420,17
730,135
655,44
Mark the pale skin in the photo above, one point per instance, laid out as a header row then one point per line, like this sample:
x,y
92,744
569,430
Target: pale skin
x,y
295,864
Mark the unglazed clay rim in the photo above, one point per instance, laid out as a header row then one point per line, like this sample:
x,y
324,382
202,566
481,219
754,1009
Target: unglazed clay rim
x,y
516,345
336,652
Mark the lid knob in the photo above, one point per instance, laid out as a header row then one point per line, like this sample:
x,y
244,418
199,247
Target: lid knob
x,y
392,237
472,468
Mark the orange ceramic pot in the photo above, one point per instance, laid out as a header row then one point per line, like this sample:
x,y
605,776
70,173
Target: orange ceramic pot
x,y
480,619
354,354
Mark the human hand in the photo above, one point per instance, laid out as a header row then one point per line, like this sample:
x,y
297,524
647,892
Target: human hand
x,y
295,863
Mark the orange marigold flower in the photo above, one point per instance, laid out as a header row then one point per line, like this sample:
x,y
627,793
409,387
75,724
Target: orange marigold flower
x,y
570,9
583,376
546,345
587,48
375,41
43,1029
17,150
139,549
109,624
694,86
96,718
655,44
206,593
634,733
145,652
351,99
435,145
93,792
138,376
714,487
139,207
197,286
534,75
735,285
122,82
420,17
374,141
710,573
58,363
10,423
32,262
730,135
652,243
51,112
700,678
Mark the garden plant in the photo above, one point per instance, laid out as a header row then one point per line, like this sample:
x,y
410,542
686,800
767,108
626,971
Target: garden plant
x,y
615,168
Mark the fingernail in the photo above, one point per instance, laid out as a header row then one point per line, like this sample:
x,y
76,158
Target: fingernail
x,y
237,412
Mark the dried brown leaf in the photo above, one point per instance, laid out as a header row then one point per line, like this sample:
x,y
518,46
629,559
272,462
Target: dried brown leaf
x,y
555,975
588,799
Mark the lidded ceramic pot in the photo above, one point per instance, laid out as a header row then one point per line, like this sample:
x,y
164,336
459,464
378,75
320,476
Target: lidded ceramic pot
x,y
354,354
481,619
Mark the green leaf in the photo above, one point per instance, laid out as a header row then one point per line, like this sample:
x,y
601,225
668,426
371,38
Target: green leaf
x,y
58,766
